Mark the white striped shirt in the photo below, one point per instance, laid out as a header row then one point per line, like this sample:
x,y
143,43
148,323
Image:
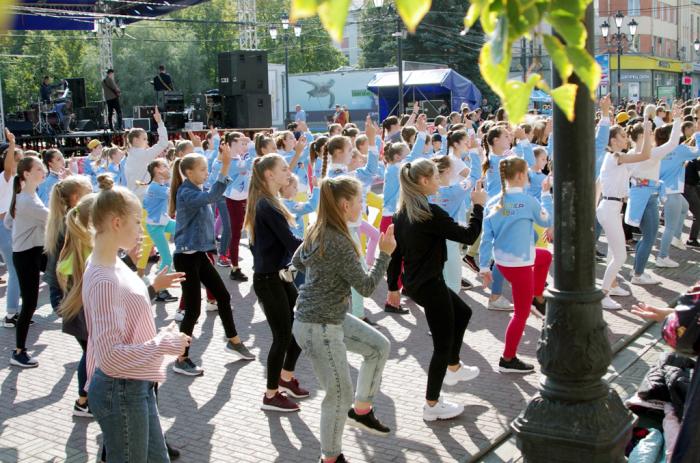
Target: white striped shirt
x,y
122,338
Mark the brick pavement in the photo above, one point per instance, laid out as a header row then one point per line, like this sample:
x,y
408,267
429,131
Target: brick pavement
x,y
217,418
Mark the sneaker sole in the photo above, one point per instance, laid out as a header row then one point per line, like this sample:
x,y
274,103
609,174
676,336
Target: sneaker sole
x,y
451,383
646,284
238,354
511,370
291,393
23,365
186,373
82,414
443,418
9,325
272,408
219,264
499,309
666,266
357,425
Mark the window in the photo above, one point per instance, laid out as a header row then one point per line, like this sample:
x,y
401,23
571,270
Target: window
x,y
633,7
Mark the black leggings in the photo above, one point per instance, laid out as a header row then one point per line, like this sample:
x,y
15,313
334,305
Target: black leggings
x,y
692,195
448,317
199,271
277,299
28,265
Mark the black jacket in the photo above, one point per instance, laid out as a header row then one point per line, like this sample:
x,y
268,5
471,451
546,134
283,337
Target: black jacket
x,y
421,246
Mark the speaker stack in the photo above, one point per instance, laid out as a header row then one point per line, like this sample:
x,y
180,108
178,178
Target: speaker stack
x,y
243,85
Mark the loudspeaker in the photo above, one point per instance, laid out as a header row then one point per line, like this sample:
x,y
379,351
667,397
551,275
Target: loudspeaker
x,y
86,125
248,111
77,91
88,112
199,115
144,112
137,123
20,128
199,101
170,101
175,121
242,72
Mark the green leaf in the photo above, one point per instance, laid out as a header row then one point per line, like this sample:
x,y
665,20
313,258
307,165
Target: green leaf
x,y
489,18
499,42
575,8
565,97
518,97
495,74
585,67
557,53
412,12
569,27
333,14
302,9
473,12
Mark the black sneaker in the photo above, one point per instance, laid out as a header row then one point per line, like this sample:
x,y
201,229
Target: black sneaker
x,y
154,258
23,360
471,263
165,296
11,322
367,422
339,459
515,365
393,309
82,411
466,284
600,256
693,243
173,453
187,367
540,307
368,321
237,275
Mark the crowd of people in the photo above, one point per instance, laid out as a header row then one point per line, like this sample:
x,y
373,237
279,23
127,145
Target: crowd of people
x,y
467,190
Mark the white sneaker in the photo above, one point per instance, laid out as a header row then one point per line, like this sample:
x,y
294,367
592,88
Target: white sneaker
x,y
609,304
501,304
644,279
179,315
211,307
679,244
443,410
666,262
618,291
465,373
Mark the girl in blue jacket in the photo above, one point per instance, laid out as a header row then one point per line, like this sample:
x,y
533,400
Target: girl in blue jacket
x,y
508,235
155,202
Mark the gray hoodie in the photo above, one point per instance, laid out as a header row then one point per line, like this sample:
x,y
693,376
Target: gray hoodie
x,y
325,295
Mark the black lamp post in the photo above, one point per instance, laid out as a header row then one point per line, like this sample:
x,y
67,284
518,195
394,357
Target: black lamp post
x,y
605,31
576,416
285,36
399,34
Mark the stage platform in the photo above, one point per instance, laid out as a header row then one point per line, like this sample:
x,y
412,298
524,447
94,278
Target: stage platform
x,y
75,143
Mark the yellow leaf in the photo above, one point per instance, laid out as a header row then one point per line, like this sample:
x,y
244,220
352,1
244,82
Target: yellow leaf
x,y
518,97
333,14
412,11
565,97
495,75
302,9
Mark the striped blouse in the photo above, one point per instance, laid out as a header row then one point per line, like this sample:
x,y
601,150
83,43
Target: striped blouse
x,y
122,338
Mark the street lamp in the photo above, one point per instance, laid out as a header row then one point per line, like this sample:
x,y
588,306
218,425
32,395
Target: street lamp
x,y
605,31
285,35
696,45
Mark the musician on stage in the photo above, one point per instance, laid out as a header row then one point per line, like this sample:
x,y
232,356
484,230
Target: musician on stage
x,y
163,82
112,92
45,90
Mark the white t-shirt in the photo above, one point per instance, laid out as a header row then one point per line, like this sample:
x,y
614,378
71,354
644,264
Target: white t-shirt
x,y
5,193
614,177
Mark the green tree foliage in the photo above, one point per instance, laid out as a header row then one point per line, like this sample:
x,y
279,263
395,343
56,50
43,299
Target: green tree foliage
x,y
436,40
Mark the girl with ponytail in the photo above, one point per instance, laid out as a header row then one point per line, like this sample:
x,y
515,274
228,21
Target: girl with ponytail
x,y
331,260
27,218
508,240
421,231
56,169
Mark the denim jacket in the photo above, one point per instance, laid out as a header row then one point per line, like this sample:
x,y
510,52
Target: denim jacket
x,y
194,218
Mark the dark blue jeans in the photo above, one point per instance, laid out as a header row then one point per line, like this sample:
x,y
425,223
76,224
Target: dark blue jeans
x,y
55,296
127,413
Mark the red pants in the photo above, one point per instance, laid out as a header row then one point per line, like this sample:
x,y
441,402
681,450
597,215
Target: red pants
x,y
383,225
527,282
210,295
236,212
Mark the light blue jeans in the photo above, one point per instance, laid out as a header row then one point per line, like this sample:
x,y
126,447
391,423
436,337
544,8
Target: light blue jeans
x,y
649,226
673,217
12,281
498,280
326,346
452,271
357,301
157,234
225,226
127,413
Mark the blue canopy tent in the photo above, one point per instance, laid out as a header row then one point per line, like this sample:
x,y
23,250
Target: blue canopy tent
x,y
429,84
538,96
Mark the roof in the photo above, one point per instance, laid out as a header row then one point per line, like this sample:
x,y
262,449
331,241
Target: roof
x,y
81,14
414,78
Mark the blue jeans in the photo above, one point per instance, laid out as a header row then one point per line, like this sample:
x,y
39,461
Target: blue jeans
x,y
498,280
127,413
55,296
12,281
225,226
649,227
157,234
673,215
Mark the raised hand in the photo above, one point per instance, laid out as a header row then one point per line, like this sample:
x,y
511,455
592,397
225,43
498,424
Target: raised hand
x,y
605,105
479,196
156,116
9,136
387,241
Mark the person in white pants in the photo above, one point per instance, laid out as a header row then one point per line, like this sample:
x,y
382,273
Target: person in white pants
x,y
614,182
